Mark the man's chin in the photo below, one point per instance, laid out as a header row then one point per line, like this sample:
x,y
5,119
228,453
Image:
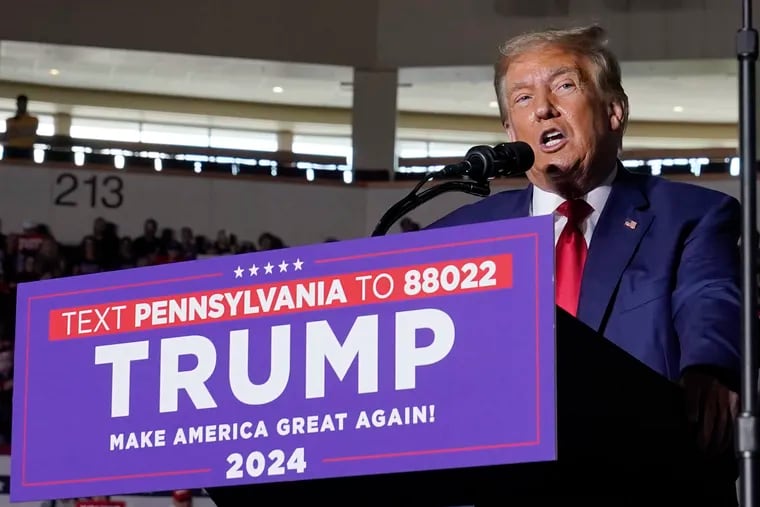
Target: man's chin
x,y
563,179
561,172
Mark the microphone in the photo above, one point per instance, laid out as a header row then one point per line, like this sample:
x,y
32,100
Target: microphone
x,y
483,163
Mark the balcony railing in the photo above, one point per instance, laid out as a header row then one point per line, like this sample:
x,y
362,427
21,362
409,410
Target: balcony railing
x,y
283,165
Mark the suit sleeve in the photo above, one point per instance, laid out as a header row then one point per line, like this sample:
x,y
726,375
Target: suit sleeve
x,y
461,216
707,298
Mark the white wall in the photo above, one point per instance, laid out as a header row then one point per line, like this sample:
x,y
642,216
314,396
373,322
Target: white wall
x,y
301,213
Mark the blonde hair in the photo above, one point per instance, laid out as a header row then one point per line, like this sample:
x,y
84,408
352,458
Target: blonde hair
x,y
589,42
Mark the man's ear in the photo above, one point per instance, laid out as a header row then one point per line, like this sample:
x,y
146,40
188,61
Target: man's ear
x,y
616,115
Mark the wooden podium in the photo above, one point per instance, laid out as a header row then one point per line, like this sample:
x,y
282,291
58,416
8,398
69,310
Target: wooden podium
x,y
623,439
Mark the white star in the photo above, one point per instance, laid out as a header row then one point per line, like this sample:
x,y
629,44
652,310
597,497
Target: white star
x,y
268,268
254,269
238,272
297,264
283,267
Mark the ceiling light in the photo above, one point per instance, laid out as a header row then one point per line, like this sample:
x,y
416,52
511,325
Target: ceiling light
x,y
493,104
277,89
677,109
54,72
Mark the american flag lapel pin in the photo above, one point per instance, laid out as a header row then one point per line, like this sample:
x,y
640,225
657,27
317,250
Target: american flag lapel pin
x,y
631,224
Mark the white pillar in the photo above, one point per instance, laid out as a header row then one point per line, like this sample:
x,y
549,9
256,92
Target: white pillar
x,y
374,120
285,141
62,124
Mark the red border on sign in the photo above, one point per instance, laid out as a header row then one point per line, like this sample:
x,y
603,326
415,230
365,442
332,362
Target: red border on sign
x,y
536,441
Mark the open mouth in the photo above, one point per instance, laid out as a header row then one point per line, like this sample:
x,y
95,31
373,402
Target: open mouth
x,y
552,139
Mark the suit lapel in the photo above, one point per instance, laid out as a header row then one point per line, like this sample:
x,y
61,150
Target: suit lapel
x,y
515,206
622,224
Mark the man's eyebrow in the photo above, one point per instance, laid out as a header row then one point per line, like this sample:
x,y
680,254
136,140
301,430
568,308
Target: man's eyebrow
x,y
552,75
563,70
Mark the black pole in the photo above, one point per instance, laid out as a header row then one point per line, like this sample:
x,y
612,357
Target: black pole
x,y
746,435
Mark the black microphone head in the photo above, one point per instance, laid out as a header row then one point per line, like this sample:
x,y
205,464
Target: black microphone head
x,y
481,160
483,163
514,158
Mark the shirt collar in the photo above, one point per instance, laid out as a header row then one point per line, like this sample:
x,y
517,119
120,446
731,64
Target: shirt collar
x,y
546,203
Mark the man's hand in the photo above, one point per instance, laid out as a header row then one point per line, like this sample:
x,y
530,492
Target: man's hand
x,y
712,408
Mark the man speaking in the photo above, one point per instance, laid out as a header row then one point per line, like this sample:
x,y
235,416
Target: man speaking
x,y
651,264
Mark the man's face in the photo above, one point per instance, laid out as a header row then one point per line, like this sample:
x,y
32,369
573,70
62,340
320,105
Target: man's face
x,y
553,105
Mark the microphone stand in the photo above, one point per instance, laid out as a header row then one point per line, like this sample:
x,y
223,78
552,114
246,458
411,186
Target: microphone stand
x,y
414,200
746,424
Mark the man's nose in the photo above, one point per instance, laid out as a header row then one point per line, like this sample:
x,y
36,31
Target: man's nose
x,y
545,109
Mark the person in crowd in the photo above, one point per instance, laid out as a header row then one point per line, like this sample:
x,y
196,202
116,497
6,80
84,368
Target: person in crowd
x,y
35,254
187,241
126,257
6,391
182,498
268,241
21,131
408,225
147,245
89,261
222,244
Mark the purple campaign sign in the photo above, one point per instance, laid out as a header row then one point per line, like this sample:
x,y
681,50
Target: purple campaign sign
x,y
409,352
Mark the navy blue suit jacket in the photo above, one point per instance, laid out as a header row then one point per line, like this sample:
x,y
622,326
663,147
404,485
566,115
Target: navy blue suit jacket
x,y
666,291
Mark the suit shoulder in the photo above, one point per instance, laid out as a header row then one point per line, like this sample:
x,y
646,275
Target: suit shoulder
x,y
494,207
688,197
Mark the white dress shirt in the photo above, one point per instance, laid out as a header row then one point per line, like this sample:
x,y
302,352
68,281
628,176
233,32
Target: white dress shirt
x,y
546,203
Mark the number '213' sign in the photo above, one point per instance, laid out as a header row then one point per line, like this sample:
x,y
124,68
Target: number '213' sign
x,y
104,191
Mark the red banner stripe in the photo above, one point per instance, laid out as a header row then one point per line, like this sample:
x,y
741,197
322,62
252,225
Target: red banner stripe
x,y
252,301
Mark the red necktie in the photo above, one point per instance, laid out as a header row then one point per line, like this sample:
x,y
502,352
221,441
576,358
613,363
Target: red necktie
x,y
571,254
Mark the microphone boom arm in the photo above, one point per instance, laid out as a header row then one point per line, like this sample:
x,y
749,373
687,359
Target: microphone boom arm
x,y
481,164
413,201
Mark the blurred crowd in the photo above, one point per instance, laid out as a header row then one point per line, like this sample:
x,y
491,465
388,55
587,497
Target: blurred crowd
x,y
34,253
179,498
